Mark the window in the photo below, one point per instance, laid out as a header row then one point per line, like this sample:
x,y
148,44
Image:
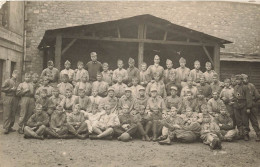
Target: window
x,y
4,14
13,65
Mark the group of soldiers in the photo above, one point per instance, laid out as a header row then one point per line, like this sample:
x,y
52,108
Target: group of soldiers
x,y
163,105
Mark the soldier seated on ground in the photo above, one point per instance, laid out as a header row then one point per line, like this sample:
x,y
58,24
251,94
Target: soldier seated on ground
x,y
210,131
58,124
127,123
47,105
104,128
225,123
76,123
36,124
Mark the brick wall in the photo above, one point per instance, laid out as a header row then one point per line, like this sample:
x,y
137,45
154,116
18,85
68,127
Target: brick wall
x,y
237,22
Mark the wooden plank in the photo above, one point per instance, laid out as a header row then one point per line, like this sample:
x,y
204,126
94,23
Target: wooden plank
x,y
68,46
138,40
58,52
118,32
217,59
208,55
141,35
165,35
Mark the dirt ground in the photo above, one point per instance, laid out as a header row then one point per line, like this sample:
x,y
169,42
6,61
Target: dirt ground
x,y
15,151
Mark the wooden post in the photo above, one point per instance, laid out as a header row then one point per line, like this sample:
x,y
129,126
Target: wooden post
x,y
217,59
58,51
141,35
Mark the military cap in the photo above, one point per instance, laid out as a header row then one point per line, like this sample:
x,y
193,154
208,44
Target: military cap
x,y
168,61
35,75
239,76
197,61
50,63
244,76
68,89
141,88
182,60
99,73
174,88
65,76
153,89
131,60
111,89
189,79
128,89
93,54
208,63
27,75
156,56
67,62
105,64
81,90
125,106
38,106
80,63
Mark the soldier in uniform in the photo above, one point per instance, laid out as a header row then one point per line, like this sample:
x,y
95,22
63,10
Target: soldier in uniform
x,y
158,84
227,96
254,96
209,73
215,104
171,83
189,87
216,85
156,68
67,71
126,99
141,99
76,123
182,73
135,87
155,107
100,85
37,123
10,102
83,84
174,100
242,106
205,87
56,97
110,100
68,102
107,74
51,73
93,67
35,81
119,87
83,101
168,72
64,85
195,73
47,105
79,73
45,85
145,78
25,90
95,99
120,72
132,71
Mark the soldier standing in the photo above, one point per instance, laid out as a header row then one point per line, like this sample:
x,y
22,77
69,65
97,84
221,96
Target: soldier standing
x,y
182,73
93,67
10,102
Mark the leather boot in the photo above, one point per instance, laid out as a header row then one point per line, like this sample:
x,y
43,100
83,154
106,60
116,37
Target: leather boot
x,y
154,128
240,134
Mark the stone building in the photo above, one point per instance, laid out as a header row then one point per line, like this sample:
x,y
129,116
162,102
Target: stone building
x,y
11,38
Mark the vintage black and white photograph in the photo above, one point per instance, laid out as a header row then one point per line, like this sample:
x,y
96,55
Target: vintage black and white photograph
x,y
130,83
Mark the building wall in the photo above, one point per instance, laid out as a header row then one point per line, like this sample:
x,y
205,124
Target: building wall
x,y
237,22
11,41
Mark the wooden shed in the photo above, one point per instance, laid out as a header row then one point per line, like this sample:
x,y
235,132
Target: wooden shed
x,y
140,37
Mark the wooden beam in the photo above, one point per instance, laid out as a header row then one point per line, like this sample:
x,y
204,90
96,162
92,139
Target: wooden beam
x,y
141,35
68,46
217,59
118,32
165,35
58,48
208,55
139,40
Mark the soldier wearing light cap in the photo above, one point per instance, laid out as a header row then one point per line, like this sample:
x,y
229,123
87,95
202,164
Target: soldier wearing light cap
x,y
126,99
52,73
110,100
67,71
155,106
168,72
155,68
189,87
182,73
160,86
242,106
254,97
141,99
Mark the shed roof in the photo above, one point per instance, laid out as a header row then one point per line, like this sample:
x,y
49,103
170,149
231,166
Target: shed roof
x,y
125,22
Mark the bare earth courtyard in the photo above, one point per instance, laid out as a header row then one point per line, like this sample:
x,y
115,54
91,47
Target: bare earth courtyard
x,y
15,151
